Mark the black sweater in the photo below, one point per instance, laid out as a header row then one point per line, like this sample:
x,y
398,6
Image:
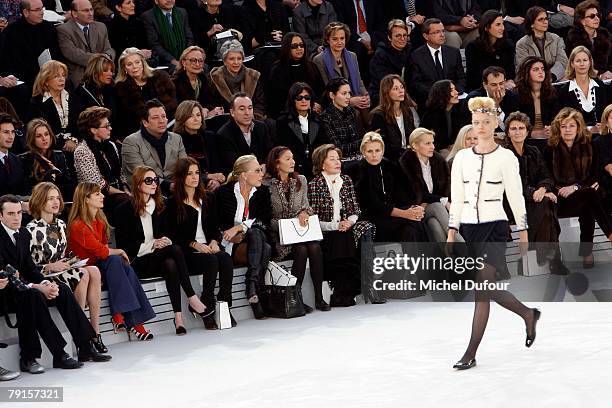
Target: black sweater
x,y
183,232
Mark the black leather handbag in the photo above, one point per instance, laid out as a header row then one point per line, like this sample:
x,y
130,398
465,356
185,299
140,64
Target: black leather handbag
x,y
284,302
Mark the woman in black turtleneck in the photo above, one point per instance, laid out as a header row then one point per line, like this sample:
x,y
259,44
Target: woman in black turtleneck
x,y
125,29
293,66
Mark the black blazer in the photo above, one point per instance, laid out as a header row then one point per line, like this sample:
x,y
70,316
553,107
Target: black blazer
x,y
15,182
386,60
124,33
422,71
440,174
184,232
231,143
289,133
18,255
569,99
66,180
47,111
260,207
391,133
375,15
184,90
477,59
128,228
450,12
435,120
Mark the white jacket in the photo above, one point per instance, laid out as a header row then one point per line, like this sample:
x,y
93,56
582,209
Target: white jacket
x,y
478,182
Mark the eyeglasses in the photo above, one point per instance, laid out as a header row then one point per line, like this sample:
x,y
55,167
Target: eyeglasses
x,y
593,16
303,98
150,180
196,60
107,126
400,36
542,19
297,45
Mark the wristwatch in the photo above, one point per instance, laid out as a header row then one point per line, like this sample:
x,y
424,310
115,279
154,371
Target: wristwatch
x,y
244,228
576,187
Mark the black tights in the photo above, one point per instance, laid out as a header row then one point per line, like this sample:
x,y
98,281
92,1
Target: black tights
x,y
309,251
482,305
169,263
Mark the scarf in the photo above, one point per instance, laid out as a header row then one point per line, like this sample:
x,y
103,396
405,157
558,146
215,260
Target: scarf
x,y
572,165
351,66
107,160
159,144
234,82
173,37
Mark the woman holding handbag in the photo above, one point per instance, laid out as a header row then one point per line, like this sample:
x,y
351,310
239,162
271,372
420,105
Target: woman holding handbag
x,y
289,198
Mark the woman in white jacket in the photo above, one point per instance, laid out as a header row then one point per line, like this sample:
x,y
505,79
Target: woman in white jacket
x,y
479,178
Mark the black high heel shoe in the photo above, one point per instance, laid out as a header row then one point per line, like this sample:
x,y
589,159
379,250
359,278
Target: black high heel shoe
x,y
207,312
180,330
530,339
460,365
98,344
258,311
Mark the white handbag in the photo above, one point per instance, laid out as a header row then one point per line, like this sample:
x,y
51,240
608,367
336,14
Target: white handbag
x,y
291,232
222,315
277,275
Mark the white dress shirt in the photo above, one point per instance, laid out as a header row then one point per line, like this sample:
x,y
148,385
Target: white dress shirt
x,y
432,51
146,220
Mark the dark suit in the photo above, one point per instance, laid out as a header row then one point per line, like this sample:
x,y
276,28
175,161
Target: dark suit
x,y
33,308
232,144
154,36
450,12
289,133
375,16
12,180
422,71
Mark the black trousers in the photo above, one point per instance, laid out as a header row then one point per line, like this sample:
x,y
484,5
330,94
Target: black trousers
x,y
33,316
212,266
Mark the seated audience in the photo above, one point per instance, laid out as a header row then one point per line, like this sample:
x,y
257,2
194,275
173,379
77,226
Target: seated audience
x,y
391,56
289,199
12,174
332,197
310,19
299,129
135,84
460,19
588,33
572,164
80,37
491,48
19,144
139,231
210,18
560,13
52,102
189,124
48,245
539,42
433,62
97,88
603,146
339,118
584,91
264,22
294,65
153,146
125,29
367,27
191,79
443,114
414,12
168,32
42,162
244,212
394,118
88,239
33,304
190,219
242,134
234,77
466,138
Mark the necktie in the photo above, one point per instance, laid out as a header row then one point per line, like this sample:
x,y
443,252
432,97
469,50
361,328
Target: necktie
x,y
86,34
169,17
439,70
361,21
6,163
16,237
410,7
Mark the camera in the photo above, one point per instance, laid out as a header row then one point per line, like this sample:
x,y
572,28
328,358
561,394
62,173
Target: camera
x,y
10,273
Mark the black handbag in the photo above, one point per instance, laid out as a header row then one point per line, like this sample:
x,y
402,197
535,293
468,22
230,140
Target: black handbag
x,y
284,302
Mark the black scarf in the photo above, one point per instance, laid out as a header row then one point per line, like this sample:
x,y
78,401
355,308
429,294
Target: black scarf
x,y
159,144
107,160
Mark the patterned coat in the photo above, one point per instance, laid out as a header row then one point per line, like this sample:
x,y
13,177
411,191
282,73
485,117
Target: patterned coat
x,y
322,204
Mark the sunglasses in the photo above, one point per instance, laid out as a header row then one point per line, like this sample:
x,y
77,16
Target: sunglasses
x,y
195,60
303,98
592,16
150,180
297,45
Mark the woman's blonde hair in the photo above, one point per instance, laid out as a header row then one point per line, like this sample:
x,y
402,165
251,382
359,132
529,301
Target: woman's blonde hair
x,y
371,137
38,198
583,135
570,72
240,166
184,54
80,210
97,64
604,120
417,134
122,75
483,104
48,70
459,141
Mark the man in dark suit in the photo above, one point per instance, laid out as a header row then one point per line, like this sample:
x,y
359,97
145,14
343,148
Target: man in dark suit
x,y
433,62
460,18
168,31
242,134
80,38
33,304
12,176
493,80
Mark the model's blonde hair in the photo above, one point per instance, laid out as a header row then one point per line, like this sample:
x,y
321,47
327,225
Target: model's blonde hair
x,y
122,75
240,166
47,71
459,142
371,137
482,104
570,72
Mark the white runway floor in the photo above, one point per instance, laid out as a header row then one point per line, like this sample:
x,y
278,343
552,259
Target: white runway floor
x,y
394,355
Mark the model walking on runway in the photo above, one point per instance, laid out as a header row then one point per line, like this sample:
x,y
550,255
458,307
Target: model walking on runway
x,y
479,178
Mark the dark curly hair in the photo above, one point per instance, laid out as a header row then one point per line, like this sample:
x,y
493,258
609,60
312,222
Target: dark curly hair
x,y
523,81
439,95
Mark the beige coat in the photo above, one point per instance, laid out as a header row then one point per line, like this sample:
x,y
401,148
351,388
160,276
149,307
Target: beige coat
x,y
554,53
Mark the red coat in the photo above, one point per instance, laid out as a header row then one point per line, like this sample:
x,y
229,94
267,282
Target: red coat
x,y
86,242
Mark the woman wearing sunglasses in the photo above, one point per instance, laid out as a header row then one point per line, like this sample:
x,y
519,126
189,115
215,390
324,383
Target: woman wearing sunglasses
x,y
139,231
299,128
293,65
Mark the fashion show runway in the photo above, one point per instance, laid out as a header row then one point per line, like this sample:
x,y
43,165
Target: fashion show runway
x,y
394,355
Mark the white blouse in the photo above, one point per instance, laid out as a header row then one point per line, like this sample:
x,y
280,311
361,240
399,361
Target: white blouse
x,y
146,220
334,184
200,237
586,101
240,205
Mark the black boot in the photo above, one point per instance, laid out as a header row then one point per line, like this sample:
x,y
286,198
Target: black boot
x,y
87,352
